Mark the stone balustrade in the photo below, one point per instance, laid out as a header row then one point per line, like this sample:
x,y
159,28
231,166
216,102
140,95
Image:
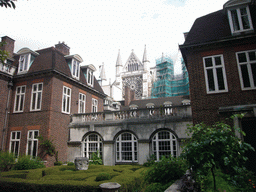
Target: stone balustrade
x,y
7,68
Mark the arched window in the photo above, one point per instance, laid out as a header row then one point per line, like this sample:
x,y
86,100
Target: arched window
x,y
126,148
164,143
91,144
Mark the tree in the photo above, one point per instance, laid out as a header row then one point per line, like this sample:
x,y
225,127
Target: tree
x,y
7,3
216,147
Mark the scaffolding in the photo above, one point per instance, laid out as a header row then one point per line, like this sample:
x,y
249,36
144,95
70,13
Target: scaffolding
x,y
167,83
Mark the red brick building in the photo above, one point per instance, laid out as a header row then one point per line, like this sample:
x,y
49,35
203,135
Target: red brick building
x,y
40,93
220,55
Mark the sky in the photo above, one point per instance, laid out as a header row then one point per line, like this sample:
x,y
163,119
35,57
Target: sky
x,y
97,29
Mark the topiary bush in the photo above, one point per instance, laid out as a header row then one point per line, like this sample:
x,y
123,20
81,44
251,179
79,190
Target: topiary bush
x,y
102,177
6,161
26,162
96,159
150,161
167,170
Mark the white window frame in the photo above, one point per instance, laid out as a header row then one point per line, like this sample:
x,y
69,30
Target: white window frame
x,y
170,147
81,103
36,97
75,69
92,143
66,100
90,77
19,99
121,156
94,105
214,69
15,143
239,17
248,65
32,143
24,62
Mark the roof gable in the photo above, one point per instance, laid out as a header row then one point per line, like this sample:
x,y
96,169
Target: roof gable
x,y
133,60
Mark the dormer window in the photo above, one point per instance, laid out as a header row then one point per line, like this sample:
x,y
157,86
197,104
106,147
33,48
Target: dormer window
x,y
74,63
26,59
240,19
90,77
75,68
24,62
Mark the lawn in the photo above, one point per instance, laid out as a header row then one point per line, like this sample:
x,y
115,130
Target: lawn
x,y
66,178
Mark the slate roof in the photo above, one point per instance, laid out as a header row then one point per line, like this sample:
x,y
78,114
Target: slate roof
x,y
51,59
213,27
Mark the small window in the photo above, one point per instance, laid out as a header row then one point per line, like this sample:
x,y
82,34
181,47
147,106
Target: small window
x,y
126,148
32,143
240,19
94,105
24,63
66,100
81,103
36,97
75,68
215,75
247,69
90,77
19,99
15,143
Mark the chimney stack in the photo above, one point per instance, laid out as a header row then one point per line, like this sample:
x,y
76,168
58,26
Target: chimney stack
x,y
63,48
9,45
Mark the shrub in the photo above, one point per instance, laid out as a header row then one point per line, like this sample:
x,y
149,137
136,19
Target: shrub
x,y
96,159
71,164
102,177
157,187
57,163
26,162
6,161
166,170
150,161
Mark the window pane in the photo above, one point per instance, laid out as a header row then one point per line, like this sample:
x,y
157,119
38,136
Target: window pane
x,y
38,101
245,76
220,79
253,66
217,60
235,20
21,102
245,20
210,80
34,149
208,62
33,100
252,56
18,135
242,57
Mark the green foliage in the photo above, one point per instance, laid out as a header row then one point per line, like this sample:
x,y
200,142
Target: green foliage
x,y
57,163
71,164
26,162
157,187
215,146
6,161
7,3
166,170
150,161
96,159
3,54
102,177
48,148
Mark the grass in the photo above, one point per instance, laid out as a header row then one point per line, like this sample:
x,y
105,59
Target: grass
x,y
128,176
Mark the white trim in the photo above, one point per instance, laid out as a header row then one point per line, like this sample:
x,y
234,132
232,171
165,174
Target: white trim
x,y
38,94
18,106
24,63
134,148
87,150
214,68
66,100
14,141
248,64
81,101
94,105
33,139
239,17
75,68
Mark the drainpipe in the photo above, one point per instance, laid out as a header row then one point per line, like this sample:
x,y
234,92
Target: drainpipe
x,y
5,128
